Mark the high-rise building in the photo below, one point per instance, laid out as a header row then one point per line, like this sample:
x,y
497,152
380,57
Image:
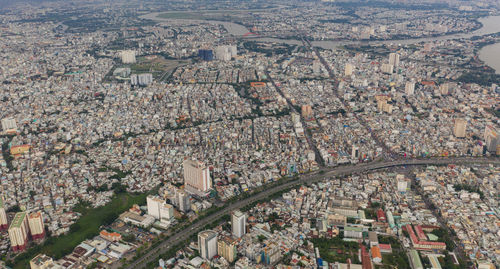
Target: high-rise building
x,y
306,111
159,209
402,183
226,247
206,55
133,80
145,79
196,177
141,79
35,222
316,67
18,232
225,53
3,216
238,223
444,88
234,50
207,244
491,138
349,69
387,68
410,88
9,124
355,154
271,254
183,201
128,56
459,130
394,59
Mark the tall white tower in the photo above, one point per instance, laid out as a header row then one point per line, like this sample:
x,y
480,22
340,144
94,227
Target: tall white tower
x,y
207,243
238,223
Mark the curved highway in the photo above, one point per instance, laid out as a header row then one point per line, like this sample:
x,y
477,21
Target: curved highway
x,y
154,253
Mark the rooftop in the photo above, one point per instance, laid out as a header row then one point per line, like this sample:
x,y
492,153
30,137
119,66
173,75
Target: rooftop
x,y
18,220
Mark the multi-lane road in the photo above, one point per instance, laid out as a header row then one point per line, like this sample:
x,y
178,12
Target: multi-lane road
x,y
153,254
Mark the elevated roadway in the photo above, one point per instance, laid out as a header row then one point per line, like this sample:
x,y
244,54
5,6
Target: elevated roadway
x,y
152,255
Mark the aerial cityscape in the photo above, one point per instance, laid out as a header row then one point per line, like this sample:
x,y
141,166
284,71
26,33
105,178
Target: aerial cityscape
x,y
330,134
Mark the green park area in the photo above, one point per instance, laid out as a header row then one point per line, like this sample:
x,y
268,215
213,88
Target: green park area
x,y
398,257
337,250
156,64
87,226
160,66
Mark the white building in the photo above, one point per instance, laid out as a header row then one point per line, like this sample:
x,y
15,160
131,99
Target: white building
x,y
355,153
491,138
394,59
133,80
387,68
196,177
444,88
402,183
159,209
225,53
3,216
183,201
238,223
141,79
207,243
459,130
35,222
9,124
349,69
145,79
18,232
410,88
42,261
128,56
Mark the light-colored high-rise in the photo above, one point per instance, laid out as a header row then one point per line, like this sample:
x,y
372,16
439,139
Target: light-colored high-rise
x,y
349,69
355,153
145,79
3,216
207,243
196,177
402,183
35,221
9,124
387,68
394,59
225,53
306,111
459,130
491,138
128,56
238,223
159,209
444,88
18,232
410,88
226,247
183,201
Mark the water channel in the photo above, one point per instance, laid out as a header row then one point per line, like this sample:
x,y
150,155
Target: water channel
x,y
489,54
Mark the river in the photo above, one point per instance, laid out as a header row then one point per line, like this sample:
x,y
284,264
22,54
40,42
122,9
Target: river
x,y
489,54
